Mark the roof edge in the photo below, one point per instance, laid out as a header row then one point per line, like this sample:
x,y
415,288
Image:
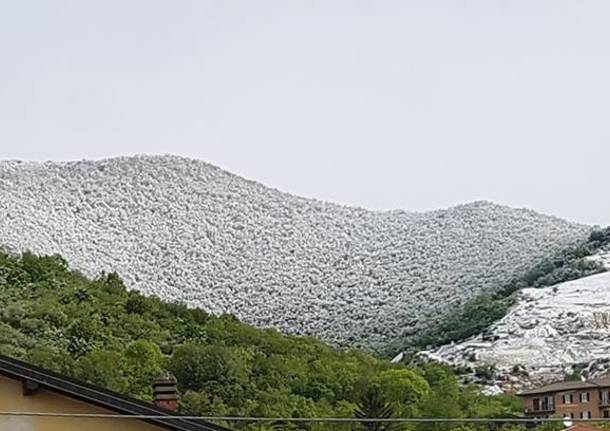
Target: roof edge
x,y
56,382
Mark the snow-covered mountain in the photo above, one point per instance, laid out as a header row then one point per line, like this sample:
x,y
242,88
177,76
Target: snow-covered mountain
x,y
185,230
549,333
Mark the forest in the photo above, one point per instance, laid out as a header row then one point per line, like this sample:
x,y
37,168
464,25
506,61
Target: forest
x,y
98,331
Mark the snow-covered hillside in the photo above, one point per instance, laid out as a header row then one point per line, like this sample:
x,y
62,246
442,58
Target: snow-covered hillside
x,y
185,230
550,332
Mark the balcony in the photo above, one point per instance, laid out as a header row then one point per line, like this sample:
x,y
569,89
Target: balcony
x,y
542,409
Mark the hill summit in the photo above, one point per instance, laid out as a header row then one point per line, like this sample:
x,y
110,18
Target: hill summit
x,y
185,230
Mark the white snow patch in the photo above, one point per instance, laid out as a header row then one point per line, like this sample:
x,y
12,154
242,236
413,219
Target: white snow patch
x,y
547,332
603,258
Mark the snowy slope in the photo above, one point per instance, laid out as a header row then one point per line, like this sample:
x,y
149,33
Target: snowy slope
x,y
186,230
547,333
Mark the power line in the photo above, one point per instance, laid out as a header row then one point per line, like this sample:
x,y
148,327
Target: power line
x,y
280,419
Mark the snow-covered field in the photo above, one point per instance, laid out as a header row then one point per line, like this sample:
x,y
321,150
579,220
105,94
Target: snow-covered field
x,y
548,332
185,230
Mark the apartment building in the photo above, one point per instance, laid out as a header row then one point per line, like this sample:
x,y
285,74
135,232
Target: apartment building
x,y
578,400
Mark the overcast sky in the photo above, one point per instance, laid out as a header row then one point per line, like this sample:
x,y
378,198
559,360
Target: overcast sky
x,y
382,104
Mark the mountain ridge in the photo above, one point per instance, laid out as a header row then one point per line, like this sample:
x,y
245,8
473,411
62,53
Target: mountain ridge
x,y
145,156
187,230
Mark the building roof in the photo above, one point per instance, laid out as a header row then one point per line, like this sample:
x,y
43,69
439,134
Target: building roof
x,y
100,397
568,386
582,427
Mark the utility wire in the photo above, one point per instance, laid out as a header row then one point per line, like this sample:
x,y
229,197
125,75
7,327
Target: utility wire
x,y
317,420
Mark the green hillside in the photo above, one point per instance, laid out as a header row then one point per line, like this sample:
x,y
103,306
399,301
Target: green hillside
x,y
98,331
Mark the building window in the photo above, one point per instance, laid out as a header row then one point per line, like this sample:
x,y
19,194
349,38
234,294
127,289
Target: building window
x,y
606,414
604,398
584,397
567,398
585,415
547,404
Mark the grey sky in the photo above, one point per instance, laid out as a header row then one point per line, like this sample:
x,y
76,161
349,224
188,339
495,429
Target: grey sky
x,y
382,104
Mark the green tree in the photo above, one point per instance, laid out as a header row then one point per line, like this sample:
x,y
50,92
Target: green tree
x,y
142,363
200,366
373,406
404,388
443,400
104,368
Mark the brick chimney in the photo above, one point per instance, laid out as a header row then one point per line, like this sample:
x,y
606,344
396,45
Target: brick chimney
x,y
165,393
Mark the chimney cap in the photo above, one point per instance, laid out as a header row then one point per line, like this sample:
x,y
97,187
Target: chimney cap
x,y
165,379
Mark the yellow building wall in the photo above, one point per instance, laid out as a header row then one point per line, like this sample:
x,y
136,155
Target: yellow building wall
x,y
12,399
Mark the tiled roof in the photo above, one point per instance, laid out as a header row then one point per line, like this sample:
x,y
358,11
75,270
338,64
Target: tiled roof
x,y
582,427
568,386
